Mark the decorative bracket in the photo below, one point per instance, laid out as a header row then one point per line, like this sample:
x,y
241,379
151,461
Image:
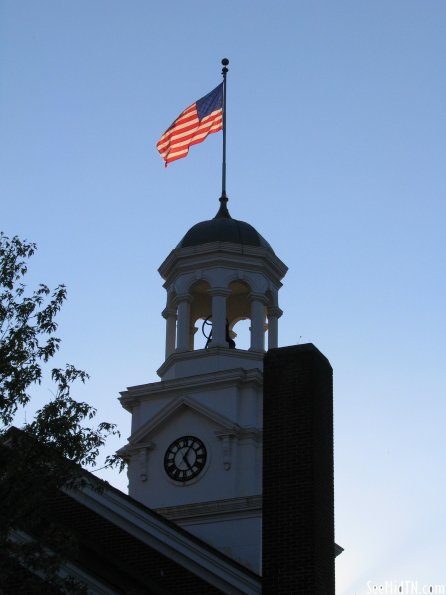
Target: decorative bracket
x,y
144,460
142,453
226,439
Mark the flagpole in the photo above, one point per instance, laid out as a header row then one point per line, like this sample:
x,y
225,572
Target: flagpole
x,y
224,71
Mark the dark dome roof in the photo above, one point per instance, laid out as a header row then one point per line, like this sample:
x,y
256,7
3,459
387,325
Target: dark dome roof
x,y
223,228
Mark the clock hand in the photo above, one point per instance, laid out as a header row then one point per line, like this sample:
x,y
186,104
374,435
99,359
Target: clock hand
x,y
185,459
188,464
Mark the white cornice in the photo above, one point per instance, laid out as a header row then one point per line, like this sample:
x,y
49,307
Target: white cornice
x,y
223,353
227,254
187,551
247,505
217,379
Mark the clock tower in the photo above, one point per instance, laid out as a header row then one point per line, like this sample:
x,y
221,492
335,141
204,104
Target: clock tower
x,y
195,450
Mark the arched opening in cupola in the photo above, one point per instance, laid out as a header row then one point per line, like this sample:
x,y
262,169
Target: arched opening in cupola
x,y
239,314
200,315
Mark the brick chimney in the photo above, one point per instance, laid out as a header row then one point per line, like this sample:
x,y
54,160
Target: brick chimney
x,y
298,494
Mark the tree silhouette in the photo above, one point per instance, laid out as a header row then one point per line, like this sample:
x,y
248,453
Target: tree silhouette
x,y
47,453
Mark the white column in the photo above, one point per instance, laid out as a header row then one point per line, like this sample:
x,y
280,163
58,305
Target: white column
x,y
183,326
193,330
170,316
257,322
274,313
219,296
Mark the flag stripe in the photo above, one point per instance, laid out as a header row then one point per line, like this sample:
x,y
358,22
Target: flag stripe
x,y
188,129
190,132
181,122
193,135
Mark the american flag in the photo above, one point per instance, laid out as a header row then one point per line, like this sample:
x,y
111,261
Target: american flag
x,y
192,126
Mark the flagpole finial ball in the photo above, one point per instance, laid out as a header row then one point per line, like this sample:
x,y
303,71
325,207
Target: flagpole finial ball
x,y
225,61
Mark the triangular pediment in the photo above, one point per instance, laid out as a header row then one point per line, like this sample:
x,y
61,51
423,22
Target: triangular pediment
x,y
144,433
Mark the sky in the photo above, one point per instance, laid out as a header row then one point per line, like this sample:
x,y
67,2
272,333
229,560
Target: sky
x,y
336,134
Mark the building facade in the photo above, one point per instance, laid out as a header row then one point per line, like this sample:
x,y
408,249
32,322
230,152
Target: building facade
x,y
234,444
230,453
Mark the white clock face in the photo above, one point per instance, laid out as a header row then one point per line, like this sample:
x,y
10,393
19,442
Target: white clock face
x,y
185,458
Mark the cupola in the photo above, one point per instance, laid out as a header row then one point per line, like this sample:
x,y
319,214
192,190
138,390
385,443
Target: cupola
x,y
221,272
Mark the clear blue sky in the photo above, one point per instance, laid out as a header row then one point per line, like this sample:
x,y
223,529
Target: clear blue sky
x,y
336,154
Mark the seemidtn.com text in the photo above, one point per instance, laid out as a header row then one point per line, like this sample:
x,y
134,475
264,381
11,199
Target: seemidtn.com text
x,y
408,587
